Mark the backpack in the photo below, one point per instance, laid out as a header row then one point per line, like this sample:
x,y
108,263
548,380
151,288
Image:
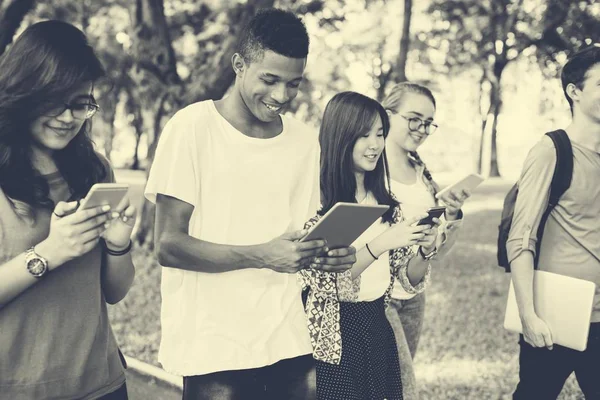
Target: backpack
x,y
561,180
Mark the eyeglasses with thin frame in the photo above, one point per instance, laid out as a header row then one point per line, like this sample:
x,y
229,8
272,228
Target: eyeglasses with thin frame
x,y
83,110
415,123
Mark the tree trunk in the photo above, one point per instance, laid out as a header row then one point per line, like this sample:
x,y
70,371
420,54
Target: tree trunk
x,y
11,16
496,97
484,120
404,42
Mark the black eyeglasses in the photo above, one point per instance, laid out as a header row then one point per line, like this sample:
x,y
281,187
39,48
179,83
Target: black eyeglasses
x,y
415,123
84,110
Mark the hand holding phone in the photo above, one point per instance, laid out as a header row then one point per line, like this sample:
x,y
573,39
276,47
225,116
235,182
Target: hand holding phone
x,y
104,194
433,212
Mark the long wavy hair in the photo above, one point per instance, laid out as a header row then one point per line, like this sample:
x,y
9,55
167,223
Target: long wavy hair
x,y
393,101
347,117
46,63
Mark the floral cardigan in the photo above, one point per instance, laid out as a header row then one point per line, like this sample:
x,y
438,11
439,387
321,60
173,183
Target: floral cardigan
x,y
327,289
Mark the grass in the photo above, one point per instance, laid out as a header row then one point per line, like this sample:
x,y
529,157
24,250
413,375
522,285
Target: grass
x,y
464,351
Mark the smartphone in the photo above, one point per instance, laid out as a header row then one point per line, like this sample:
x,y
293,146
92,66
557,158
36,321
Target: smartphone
x,y
433,212
469,182
104,193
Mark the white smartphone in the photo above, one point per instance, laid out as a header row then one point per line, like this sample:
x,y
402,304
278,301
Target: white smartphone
x,y
104,193
469,182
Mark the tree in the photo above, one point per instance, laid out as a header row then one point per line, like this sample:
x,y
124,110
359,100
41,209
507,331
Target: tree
x,y
489,35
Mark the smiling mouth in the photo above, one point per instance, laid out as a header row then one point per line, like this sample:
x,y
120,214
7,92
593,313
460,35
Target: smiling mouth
x,y
273,108
61,131
372,156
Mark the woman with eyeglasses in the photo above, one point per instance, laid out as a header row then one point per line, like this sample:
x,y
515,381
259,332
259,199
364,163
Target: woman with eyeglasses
x,y
411,108
59,266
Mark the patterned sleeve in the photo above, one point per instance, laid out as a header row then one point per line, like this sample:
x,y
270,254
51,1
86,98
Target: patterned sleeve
x,y
399,260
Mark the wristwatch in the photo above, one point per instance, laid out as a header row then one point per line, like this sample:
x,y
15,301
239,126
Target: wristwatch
x,y
35,264
429,256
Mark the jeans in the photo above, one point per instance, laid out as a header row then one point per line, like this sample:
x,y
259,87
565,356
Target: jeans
x,y
406,319
292,379
543,372
119,394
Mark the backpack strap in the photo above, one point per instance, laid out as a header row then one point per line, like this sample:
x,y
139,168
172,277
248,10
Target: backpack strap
x,y
563,173
561,179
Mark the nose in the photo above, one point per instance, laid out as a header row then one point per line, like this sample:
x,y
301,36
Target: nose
x,y
376,142
280,94
66,116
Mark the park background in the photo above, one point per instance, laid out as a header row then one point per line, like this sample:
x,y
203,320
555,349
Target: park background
x,y
493,66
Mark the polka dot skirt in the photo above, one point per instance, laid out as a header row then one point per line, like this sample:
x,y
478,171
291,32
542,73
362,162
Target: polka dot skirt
x,y
369,369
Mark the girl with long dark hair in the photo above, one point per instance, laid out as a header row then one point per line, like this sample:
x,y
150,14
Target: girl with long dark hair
x,y
353,342
59,266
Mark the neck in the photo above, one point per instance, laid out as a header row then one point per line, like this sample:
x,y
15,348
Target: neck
x,y
42,161
585,132
361,191
398,162
236,112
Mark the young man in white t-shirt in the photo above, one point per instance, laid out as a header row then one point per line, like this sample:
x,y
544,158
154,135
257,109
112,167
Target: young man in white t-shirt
x,y
234,181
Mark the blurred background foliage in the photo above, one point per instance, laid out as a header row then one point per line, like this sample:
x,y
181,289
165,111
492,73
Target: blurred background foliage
x,y
492,64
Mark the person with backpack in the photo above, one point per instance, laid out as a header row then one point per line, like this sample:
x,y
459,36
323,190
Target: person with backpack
x,y
571,235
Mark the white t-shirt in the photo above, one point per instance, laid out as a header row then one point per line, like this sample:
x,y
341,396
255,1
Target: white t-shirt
x,y
244,191
414,200
375,279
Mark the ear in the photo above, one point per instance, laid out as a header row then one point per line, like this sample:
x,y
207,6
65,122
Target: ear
x,y
238,64
572,92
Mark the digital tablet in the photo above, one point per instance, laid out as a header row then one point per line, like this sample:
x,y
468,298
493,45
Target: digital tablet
x,y
344,223
469,182
104,193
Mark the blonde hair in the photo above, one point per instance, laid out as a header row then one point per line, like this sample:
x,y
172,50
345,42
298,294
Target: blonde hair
x,y
394,97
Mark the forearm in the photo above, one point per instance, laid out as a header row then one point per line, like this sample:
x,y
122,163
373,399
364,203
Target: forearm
x,y
522,278
363,260
118,273
417,268
14,277
182,251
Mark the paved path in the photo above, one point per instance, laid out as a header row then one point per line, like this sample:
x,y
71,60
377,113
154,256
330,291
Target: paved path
x,y
143,388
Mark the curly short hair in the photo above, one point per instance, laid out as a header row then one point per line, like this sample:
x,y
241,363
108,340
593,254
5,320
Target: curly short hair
x,y
274,29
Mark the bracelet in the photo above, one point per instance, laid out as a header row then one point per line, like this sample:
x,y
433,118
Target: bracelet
x,y
429,256
370,252
115,252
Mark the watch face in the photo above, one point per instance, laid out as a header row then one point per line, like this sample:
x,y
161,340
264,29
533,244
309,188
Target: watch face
x,y
36,266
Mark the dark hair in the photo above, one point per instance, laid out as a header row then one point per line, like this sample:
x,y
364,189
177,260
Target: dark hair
x,y
392,102
276,30
575,70
43,66
347,117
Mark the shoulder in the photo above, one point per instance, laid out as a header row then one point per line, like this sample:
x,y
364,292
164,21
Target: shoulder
x,y
190,116
301,132
186,124
543,152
